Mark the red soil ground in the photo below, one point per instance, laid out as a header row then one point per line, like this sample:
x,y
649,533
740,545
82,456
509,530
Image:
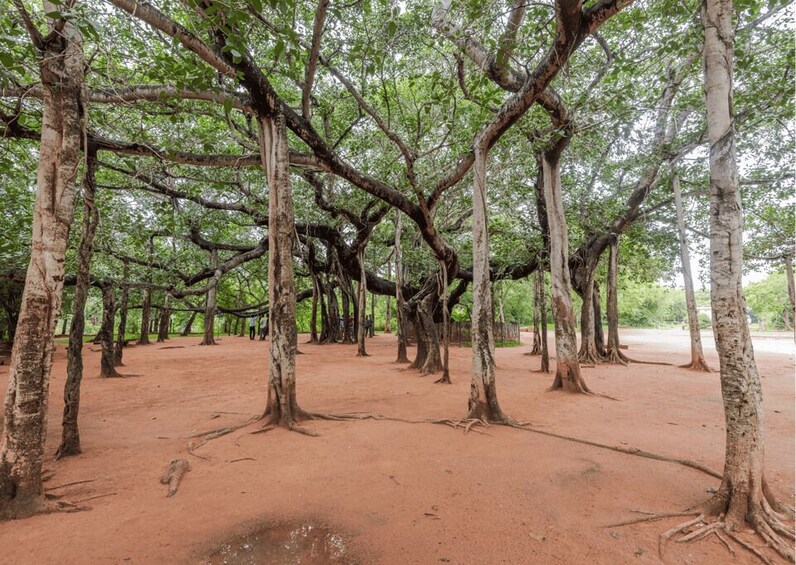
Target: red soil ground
x,y
397,493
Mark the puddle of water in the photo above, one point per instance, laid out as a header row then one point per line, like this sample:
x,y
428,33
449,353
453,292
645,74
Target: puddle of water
x,y
283,545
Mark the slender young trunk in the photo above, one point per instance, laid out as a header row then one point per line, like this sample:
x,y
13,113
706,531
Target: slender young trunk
x,y
107,366
388,306
614,354
282,407
545,362
372,325
314,311
189,324
791,291
362,290
118,352
399,297
568,376
25,410
208,336
599,336
63,325
70,435
588,349
443,280
697,356
165,319
143,338
483,403
537,336
743,498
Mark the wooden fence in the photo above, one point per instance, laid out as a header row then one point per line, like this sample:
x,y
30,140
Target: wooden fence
x,y
460,333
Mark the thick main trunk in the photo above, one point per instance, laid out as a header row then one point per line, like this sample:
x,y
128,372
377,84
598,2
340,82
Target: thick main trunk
x,y
70,434
613,352
742,498
107,366
208,334
568,376
483,403
697,356
25,410
282,406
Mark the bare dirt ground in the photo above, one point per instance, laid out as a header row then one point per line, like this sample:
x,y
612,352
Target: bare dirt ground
x,y
396,493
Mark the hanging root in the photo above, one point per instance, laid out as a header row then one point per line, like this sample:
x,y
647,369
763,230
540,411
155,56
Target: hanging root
x,y
174,474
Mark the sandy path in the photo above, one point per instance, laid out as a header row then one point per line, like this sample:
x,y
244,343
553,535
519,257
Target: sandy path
x,y
398,493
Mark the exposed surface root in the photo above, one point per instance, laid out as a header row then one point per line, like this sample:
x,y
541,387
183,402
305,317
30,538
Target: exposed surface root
x,y
174,474
630,451
698,365
204,437
70,484
650,517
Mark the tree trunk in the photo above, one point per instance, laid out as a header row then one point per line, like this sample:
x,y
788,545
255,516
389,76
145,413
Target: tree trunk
x,y
372,325
189,324
146,305
614,354
362,290
483,403
568,376
743,498
282,407
599,336
165,320
314,311
544,350
538,283
697,356
443,283
25,410
107,366
118,352
208,336
791,291
399,297
588,348
64,321
70,435
388,306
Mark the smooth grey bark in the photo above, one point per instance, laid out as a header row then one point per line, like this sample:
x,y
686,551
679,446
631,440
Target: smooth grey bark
x,y
208,334
282,408
61,64
568,376
743,498
483,403
613,352
698,362
70,434
107,366
399,297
